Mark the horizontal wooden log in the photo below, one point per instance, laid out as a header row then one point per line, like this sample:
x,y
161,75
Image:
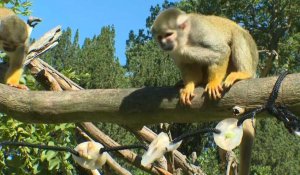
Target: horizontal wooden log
x,y
141,106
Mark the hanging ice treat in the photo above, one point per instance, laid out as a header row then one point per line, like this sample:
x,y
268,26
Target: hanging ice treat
x,y
90,157
158,147
231,134
297,133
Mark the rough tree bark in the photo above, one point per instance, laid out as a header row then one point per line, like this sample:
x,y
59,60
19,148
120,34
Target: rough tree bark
x,y
141,106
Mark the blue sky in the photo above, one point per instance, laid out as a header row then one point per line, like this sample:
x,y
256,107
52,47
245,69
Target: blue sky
x,y
90,15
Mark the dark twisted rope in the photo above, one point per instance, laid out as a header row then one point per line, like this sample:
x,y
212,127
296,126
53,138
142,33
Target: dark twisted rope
x,y
290,120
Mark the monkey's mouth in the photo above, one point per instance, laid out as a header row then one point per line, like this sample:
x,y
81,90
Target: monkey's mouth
x,y
167,47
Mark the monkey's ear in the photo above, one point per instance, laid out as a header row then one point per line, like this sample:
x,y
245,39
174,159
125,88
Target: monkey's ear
x,y
182,21
152,29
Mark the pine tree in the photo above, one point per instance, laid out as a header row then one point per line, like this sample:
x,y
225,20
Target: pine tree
x,y
99,60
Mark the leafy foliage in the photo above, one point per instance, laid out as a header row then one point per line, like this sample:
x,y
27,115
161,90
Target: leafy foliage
x,y
208,161
148,66
98,56
18,6
25,160
274,147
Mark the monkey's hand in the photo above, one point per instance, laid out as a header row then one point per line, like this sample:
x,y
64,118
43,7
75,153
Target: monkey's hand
x,y
214,89
187,93
19,86
216,73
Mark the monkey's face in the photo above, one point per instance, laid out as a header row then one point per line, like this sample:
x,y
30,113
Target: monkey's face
x,y
169,29
167,40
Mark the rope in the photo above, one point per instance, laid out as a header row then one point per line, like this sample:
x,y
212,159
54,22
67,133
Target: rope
x,y
201,131
46,147
67,149
290,120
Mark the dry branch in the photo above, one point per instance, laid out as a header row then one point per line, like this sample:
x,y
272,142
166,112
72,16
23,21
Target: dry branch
x,y
46,42
140,106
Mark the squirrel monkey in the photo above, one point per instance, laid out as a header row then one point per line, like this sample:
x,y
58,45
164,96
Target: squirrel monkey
x,y
14,41
206,49
209,50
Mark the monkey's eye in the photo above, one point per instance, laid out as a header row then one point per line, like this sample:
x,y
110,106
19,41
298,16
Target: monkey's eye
x,y
168,34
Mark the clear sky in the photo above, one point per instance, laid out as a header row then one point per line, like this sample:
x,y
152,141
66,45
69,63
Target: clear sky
x,y
90,15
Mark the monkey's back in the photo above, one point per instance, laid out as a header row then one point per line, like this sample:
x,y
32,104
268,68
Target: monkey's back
x,y
214,28
13,30
4,12
210,24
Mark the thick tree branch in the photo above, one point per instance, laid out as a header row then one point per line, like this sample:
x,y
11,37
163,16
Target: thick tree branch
x,y
140,106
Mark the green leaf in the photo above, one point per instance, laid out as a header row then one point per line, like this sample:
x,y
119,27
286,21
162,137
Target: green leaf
x,y
54,163
36,169
50,155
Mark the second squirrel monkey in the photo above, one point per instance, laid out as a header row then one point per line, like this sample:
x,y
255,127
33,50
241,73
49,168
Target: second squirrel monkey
x,y
207,49
14,41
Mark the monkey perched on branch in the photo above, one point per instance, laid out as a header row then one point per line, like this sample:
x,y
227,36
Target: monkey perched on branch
x,y
209,50
14,41
206,49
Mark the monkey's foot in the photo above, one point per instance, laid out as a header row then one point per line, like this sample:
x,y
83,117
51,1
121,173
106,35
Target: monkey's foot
x,y
186,95
231,78
235,76
19,86
214,89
